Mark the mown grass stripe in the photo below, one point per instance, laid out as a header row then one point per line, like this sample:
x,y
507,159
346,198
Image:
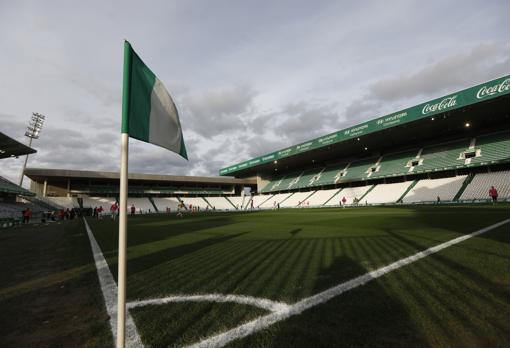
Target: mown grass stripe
x,y
324,296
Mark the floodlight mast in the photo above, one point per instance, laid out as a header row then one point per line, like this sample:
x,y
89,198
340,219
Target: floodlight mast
x,y
33,130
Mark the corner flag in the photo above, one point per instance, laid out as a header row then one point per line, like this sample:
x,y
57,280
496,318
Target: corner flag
x,y
148,114
151,115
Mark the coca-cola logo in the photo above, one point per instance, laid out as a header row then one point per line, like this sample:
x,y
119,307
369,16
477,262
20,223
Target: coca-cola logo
x,y
446,103
491,90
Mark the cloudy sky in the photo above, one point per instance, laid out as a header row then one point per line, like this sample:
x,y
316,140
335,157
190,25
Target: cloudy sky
x,y
248,77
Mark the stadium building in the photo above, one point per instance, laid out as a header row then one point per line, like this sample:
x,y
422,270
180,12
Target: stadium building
x,y
148,192
10,208
450,149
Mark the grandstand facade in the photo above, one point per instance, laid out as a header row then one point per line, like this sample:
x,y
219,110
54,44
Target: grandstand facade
x,y
452,148
147,192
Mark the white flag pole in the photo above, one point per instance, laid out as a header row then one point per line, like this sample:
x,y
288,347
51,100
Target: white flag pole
x,y
121,299
121,282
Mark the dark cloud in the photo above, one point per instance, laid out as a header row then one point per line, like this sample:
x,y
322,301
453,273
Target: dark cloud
x,y
452,72
219,111
446,75
247,81
302,121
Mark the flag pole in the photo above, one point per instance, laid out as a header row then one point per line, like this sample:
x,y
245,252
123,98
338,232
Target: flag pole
x,y
121,283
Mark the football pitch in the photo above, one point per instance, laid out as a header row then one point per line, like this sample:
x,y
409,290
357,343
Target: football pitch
x,y
295,277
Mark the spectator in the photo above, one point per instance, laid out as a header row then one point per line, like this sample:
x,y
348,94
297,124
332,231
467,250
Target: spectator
x,y
26,215
113,210
493,193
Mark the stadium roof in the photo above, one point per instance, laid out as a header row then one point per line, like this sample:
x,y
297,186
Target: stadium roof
x,y
451,114
39,174
12,148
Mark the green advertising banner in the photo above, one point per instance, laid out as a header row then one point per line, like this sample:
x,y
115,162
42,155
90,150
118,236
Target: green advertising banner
x,y
472,95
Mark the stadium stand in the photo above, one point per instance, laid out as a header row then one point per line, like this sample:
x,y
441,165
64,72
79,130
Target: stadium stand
x,y
259,199
350,194
93,202
168,202
307,178
142,204
478,188
7,187
428,190
322,196
220,203
329,175
64,202
493,148
394,164
239,202
442,157
195,202
278,198
386,193
357,170
298,199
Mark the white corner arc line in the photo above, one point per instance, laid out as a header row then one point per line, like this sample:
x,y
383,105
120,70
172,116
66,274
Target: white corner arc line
x,y
109,290
263,322
264,303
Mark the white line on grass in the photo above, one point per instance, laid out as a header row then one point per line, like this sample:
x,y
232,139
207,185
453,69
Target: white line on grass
x,y
109,289
312,301
263,303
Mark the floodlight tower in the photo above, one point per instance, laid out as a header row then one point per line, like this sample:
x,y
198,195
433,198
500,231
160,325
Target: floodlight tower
x,y
33,130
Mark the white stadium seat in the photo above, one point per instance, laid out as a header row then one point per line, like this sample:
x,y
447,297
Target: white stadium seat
x,y
195,202
278,198
64,202
96,202
298,199
259,199
386,193
427,190
350,194
479,187
166,202
239,201
140,204
220,203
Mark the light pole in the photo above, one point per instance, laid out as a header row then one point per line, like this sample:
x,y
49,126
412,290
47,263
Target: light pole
x,y
33,130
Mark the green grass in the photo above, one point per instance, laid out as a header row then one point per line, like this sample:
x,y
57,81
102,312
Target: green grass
x,y
458,297
49,291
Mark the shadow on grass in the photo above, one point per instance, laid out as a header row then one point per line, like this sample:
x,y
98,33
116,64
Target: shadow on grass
x,y
364,317
145,262
295,231
149,231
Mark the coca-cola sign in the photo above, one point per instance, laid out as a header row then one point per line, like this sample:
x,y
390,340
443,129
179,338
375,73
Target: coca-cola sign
x,y
444,104
491,90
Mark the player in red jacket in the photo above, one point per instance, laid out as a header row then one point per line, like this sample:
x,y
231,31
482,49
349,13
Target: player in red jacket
x,y
493,193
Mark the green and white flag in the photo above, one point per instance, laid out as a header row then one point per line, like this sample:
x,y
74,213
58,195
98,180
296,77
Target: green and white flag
x,y
151,113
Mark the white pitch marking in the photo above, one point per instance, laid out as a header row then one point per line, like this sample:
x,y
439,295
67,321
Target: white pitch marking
x,y
263,303
265,321
109,289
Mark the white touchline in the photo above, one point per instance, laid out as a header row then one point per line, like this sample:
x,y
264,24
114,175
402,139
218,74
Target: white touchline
x,y
263,303
312,301
109,289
